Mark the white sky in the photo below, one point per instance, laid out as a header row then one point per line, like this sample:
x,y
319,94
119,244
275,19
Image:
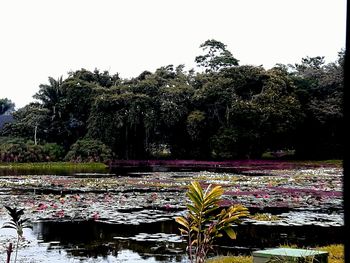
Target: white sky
x,y
42,38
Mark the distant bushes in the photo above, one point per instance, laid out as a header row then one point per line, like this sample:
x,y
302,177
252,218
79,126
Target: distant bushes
x,y
21,150
88,150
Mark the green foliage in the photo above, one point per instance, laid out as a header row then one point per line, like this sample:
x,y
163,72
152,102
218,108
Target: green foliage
x,y
54,151
30,122
227,111
21,150
55,167
217,56
16,221
88,150
320,89
125,122
196,124
203,224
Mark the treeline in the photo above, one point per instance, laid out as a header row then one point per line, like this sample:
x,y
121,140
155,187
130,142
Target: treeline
x,y
225,111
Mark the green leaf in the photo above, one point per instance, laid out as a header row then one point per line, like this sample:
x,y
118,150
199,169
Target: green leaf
x,y
230,232
182,221
193,209
197,189
195,199
206,212
9,226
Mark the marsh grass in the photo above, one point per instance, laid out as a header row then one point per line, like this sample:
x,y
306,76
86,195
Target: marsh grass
x,y
59,167
231,259
336,253
335,162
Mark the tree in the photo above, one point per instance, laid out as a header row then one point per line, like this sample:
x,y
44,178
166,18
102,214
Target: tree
x,y
103,79
88,150
216,57
125,122
68,103
319,88
6,105
51,96
29,122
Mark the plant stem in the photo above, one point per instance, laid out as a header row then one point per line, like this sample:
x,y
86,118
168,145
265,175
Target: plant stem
x,y
190,245
9,251
16,248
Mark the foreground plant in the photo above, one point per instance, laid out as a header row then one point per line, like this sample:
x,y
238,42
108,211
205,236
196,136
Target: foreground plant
x,y
18,224
202,225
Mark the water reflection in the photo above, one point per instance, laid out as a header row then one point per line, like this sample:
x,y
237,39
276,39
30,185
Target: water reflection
x,y
91,241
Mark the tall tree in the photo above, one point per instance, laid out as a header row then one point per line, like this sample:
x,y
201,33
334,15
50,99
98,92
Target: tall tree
x,y
319,87
29,122
216,56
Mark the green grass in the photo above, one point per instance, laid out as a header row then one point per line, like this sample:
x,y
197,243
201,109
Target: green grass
x,y
336,255
231,259
54,166
335,162
336,252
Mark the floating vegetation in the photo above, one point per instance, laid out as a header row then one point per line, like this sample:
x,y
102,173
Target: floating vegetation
x,y
281,196
264,217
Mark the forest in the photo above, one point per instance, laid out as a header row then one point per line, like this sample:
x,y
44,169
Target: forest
x,y
223,110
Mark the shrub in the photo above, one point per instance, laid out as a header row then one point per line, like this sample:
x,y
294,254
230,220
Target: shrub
x,y
88,150
20,150
203,225
54,151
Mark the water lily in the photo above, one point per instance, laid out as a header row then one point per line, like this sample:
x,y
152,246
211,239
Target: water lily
x,y
60,213
42,206
96,216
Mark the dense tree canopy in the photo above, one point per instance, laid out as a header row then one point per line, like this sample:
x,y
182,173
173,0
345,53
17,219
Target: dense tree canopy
x,y
225,111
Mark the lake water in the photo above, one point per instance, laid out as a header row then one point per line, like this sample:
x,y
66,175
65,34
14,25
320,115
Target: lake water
x,y
106,217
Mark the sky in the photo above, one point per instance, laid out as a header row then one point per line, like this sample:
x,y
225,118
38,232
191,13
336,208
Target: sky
x,y
42,38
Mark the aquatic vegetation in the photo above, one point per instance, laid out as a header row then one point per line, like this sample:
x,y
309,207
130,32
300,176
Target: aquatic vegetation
x,y
300,195
264,217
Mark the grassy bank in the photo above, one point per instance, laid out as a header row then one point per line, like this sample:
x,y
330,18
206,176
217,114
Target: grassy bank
x,y
336,255
54,166
336,162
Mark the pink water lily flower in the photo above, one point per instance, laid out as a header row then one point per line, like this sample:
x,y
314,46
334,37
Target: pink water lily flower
x,y
96,216
42,206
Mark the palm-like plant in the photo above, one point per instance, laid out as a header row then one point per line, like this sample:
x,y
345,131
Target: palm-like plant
x,y
16,223
202,225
